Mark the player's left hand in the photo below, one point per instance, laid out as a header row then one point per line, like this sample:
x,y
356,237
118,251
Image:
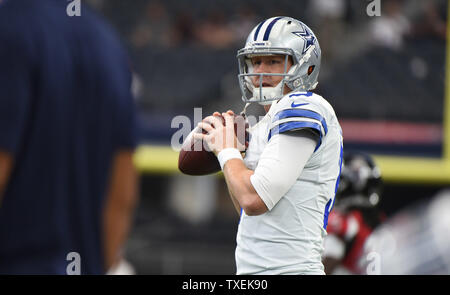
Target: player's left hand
x,y
219,135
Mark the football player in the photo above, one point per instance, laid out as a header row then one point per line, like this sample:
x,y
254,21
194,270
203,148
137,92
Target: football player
x,y
285,185
355,216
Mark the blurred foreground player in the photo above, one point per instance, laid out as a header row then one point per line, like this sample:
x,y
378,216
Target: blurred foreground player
x,y
285,185
415,241
355,216
67,134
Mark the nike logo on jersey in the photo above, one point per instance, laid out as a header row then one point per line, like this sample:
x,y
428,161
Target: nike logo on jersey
x,y
298,104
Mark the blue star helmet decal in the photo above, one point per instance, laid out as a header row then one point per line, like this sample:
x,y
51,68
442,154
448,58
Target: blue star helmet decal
x,y
309,38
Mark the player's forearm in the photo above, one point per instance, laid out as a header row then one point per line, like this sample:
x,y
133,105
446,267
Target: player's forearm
x,y
235,202
6,163
237,176
119,207
117,224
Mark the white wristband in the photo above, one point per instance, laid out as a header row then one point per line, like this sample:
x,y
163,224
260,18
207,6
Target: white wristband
x,y
228,154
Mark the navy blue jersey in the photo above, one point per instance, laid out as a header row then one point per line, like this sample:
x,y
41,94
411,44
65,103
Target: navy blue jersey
x,y
65,109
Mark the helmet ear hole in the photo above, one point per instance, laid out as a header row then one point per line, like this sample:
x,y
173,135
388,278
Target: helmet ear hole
x,y
311,69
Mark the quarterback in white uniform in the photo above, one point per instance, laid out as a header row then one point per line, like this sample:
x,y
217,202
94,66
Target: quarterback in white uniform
x,y
284,186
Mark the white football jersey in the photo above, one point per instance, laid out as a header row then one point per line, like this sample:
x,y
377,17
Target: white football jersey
x,y
288,238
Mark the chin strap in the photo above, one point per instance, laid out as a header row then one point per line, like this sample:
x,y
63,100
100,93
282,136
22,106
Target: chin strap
x,y
243,113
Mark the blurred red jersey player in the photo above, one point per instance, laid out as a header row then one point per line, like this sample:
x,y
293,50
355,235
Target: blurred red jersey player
x,y
355,215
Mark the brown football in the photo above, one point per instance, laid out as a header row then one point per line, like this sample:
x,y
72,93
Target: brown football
x,y
194,159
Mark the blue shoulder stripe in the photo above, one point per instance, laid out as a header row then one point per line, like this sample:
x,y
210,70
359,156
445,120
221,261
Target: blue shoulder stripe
x,y
307,94
288,126
301,113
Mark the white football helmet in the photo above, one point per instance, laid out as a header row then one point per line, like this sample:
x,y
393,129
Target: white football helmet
x,y
285,36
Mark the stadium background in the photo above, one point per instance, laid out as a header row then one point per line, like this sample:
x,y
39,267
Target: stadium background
x,y
385,76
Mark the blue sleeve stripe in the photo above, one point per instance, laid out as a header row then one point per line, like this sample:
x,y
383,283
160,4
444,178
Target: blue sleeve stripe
x,y
301,113
288,126
332,200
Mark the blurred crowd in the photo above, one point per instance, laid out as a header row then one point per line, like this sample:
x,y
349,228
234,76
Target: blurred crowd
x,y
225,24
216,30
160,35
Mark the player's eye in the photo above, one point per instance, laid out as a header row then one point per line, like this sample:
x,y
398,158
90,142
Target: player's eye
x,y
256,62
